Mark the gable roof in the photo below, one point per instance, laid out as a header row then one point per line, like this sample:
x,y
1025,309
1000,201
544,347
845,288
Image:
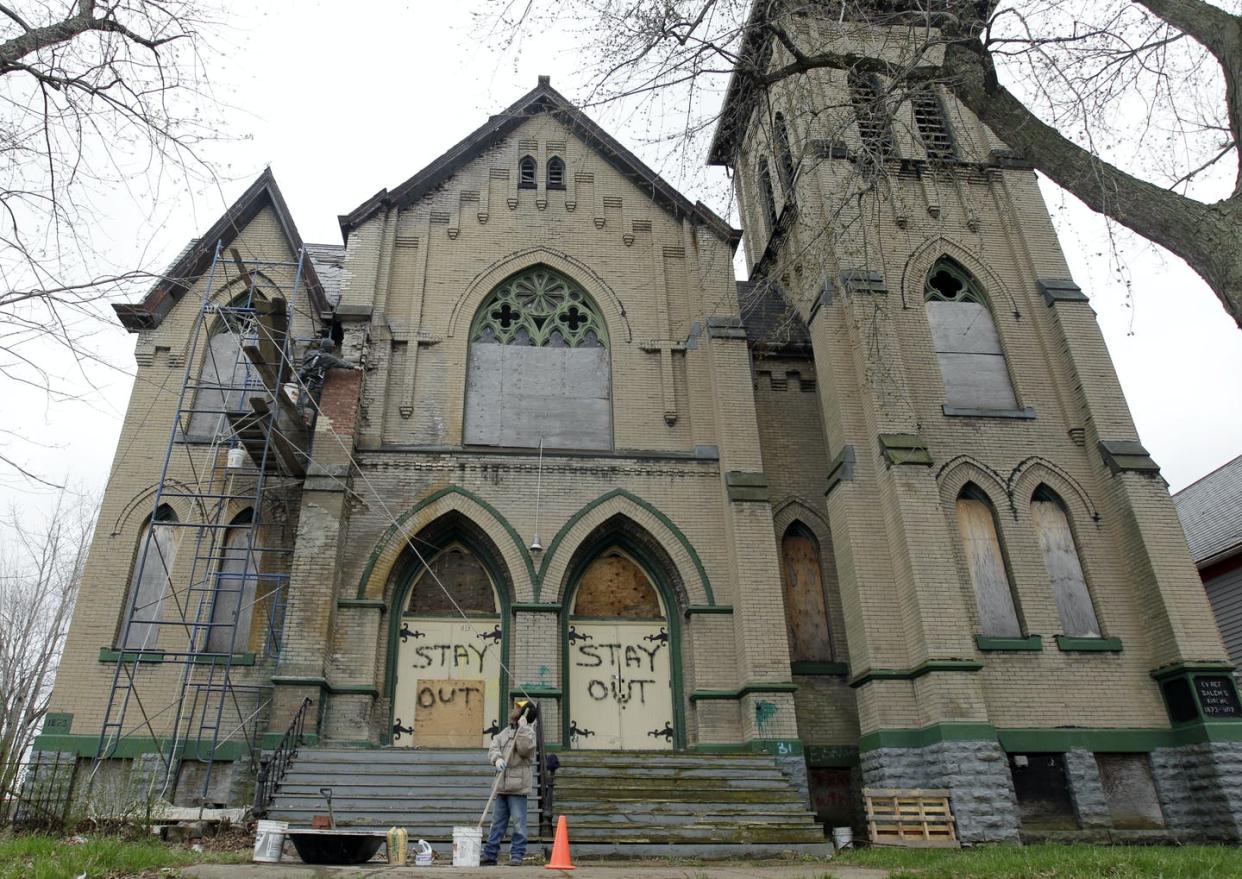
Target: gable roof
x,y
197,255
1211,513
541,99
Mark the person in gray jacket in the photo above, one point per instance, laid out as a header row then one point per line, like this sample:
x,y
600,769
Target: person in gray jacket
x,y
511,752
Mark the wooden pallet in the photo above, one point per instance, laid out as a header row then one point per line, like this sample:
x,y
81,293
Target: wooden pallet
x,y
914,818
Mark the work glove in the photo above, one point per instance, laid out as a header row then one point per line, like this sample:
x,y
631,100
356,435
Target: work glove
x,y
500,764
523,722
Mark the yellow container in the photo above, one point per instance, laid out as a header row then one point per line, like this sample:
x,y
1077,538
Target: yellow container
x,y
398,846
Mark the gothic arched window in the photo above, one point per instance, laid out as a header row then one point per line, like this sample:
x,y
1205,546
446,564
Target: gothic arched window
x,y
235,589
869,112
538,366
526,173
556,173
225,374
806,606
932,125
784,157
149,581
765,193
989,573
965,339
1069,584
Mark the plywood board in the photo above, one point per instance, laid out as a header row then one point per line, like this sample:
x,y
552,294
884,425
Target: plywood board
x,y
449,712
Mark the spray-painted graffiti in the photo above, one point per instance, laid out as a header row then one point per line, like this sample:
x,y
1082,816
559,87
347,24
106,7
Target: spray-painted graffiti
x,y
448,679
620,682
764,712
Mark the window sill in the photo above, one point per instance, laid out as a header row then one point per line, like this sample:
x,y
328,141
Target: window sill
x,y
988,644
820,669
556,187
1071,644
528,186
1021,414
107,654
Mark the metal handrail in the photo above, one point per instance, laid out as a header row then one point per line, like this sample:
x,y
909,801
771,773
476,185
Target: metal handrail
x,y
272,769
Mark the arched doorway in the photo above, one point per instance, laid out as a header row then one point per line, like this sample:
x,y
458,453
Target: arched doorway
x,y
621,646
448,642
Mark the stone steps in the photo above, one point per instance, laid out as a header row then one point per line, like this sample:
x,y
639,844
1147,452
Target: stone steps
x,y
650,804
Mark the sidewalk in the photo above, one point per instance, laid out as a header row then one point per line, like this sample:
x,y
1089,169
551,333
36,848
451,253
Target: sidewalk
x,y
612,870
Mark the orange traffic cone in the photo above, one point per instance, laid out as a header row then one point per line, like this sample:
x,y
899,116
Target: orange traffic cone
x,y
560,847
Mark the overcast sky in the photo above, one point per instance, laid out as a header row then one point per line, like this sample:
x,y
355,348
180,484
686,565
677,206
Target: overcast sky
x,y
343,99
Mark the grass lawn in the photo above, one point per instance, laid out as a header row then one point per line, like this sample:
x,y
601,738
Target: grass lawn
x,y
100,857
1054,862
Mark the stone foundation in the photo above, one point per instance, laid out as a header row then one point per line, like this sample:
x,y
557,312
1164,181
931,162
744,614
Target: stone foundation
x,y
976,774
1087,790
1200,790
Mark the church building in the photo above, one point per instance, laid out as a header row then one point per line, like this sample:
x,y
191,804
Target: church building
x,y
875,517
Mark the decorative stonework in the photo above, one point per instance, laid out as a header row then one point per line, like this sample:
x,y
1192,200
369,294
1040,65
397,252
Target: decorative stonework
x,y
540,308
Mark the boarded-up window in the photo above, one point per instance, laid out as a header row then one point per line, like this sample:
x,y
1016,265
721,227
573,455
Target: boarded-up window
x,y
149,582
1043,792
538,367
871,115
998,616
1069,585
459,574
933,127
556,173
526,173
236,579
965,340
784,157
806,614
615,586
767,196
1130,791
224,376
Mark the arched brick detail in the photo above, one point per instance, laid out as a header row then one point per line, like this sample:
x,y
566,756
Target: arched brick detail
x,y
1033,472
611,309
401,533
142,504
681,555
924,257
963,469
802,510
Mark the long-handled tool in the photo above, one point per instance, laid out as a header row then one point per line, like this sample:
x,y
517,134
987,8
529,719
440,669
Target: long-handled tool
x,y
326,793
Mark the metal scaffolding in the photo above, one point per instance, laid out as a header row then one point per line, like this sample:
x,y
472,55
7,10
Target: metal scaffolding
x,y
237,439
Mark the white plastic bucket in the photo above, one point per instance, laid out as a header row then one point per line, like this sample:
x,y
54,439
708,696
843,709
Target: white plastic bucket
x,y
467,846
237,458
269,840
843,837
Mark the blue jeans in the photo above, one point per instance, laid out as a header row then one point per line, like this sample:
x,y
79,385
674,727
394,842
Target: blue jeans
x,y
507,805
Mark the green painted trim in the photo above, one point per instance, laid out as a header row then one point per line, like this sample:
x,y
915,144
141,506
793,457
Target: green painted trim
x,y
719,748
932,665
536,606
928,735
1032,643
831,756
672,619
157,656
362,602
1179,668
323,685
1132,741
107,654
779,747
697,609
664,520
535,690
296,681
821,669
746,690
708,695
1070,643
401,597
135,746
395,528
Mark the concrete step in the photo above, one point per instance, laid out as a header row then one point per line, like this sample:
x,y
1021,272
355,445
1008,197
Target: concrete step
x,y
465,813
